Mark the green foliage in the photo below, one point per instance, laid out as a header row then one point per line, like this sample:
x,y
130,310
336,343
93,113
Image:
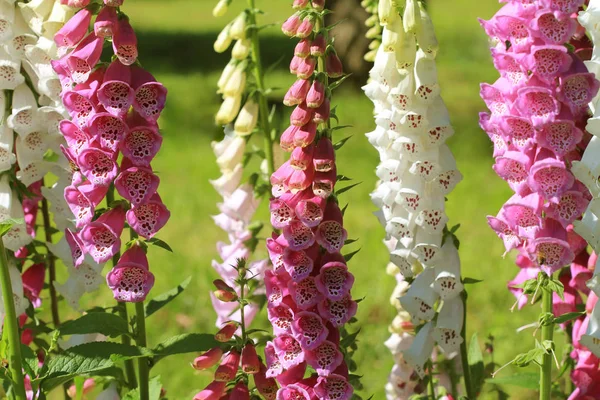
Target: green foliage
x,y
186,343
8,223
163,299
154,390
86,359
526,380
476,366
97,322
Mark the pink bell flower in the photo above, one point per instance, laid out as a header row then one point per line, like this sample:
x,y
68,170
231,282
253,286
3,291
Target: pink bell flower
x,y
130,280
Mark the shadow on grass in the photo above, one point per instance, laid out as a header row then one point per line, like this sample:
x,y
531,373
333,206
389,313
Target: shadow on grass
x,y
173,52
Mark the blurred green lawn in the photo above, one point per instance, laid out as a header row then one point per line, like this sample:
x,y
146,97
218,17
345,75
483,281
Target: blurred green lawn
x,y
176,45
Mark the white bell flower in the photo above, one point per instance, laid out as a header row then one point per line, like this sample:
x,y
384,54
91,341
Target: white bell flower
x,y
448,326
23,118
420,351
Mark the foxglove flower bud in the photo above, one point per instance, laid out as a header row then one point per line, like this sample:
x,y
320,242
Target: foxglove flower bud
x,y
247,118
220,8
208,359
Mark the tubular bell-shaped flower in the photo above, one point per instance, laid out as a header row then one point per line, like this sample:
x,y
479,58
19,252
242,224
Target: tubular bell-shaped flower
x,y
113,110
537,123
309,289
586,332
416,172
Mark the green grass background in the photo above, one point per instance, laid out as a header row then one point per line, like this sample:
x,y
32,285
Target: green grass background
x,y
175,39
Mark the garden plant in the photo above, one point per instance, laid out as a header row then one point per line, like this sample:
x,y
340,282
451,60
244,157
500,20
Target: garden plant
x,y
327,254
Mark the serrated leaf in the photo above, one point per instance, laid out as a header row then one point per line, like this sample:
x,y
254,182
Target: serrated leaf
x,y
107,324
338,145
160,243
31,363
186,343
527,380
345,189
471,281
163,299
476,365
86,359
349,256
568,317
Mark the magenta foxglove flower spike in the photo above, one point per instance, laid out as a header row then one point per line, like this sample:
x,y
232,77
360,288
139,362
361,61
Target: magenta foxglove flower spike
x,y
537,123
113,110
586,332
309,288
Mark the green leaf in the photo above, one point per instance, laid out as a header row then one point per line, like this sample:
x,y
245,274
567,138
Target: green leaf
x,y
336,84
186,343
349,256
8,223
556,286
345,189
31,362
338,145
86,359
568,317
163,299
471,281
476,363
154,388
160,243
527,380
98,322
339,127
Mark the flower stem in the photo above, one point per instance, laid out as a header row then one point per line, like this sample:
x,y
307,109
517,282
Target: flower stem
x,y
122,307
431,386
51,265
143,369
12,328
260,85
463,351
322,70
547,332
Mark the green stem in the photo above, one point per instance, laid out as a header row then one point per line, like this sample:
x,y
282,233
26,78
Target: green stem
x,y
11,326
143,368
322,71
125,339
547,332
122,307
463,352
260,85
51,265
431,386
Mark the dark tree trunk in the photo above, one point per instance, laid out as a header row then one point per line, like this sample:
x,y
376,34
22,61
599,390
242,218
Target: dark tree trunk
x,y
350,42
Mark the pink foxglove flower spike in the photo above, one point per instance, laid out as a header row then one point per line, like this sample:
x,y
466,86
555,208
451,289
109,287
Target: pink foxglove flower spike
x,y
114,110
586,332
537,121
309,289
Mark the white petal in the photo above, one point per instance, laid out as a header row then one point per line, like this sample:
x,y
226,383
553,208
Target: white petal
x,y
420,299
447,280
421,349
